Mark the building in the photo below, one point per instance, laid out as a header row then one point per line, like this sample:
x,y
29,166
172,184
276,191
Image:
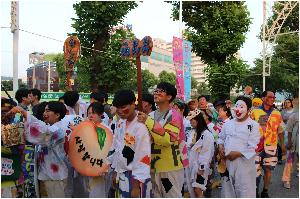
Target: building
x,y
162,59
37,77
198,69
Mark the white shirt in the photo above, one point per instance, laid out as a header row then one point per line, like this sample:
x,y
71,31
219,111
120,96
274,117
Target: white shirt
x,y
190,138
201,153
50,140
187,125
131,149
240,136
82,109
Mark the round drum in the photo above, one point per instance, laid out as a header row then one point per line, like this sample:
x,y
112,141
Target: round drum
x,y
88,147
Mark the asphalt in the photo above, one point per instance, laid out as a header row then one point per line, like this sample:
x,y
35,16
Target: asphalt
x,y
276,189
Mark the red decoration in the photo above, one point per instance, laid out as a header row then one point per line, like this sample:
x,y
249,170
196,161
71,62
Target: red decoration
x,y
71,55
146,160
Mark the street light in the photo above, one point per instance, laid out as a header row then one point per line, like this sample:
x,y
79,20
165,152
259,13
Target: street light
x,y
49,74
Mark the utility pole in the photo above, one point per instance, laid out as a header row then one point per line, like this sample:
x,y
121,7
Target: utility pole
x,y
15,30
180,19
264,46
49,75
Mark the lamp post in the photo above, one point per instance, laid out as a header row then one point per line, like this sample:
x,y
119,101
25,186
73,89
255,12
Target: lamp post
x,y
15,30
49,75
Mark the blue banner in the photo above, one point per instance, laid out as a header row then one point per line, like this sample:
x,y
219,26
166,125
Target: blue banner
x,y
187,64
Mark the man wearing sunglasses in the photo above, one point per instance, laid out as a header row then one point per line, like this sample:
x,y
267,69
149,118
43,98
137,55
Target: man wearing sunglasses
x,y
271,127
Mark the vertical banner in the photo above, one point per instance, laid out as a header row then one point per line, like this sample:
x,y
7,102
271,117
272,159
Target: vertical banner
x,y
187,64
178,63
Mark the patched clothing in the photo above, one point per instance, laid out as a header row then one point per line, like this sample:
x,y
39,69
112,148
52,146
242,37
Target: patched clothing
x,y
271,124
239,179
50,140
169,151
200,157
130,156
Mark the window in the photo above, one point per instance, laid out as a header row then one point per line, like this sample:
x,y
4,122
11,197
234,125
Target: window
x,y
145,59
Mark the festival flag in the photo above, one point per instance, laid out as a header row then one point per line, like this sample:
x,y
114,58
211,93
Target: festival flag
x,y
178,63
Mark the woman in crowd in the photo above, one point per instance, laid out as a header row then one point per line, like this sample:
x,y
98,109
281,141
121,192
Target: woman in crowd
x,y
200,154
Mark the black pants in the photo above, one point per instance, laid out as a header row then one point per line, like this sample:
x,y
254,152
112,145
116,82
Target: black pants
x,y
279,152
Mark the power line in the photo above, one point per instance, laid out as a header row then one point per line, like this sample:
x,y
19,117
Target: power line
x,y
50,38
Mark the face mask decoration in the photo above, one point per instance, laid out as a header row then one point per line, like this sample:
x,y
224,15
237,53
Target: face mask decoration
x,y
240,109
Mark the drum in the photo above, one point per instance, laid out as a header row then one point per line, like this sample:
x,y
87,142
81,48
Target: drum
x,y
88,147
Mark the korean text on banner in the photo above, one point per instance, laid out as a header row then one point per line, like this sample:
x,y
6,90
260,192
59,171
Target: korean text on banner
x,y
178,63
187,63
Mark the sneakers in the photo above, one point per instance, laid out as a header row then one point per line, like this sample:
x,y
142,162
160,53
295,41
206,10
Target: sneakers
x,y
264,195
287,185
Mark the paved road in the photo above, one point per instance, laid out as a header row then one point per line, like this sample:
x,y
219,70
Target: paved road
x,y
276,189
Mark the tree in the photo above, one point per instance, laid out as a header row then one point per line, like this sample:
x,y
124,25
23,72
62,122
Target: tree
x,y
202,89
194,83
217,30
284,67
8,85
285,60
94,27
149,80
291,23
164,76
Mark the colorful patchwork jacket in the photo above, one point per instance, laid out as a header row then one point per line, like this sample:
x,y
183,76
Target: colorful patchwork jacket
x,y
168,148
270,125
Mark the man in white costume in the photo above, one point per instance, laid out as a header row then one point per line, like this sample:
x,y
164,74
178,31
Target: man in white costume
x,y
237,142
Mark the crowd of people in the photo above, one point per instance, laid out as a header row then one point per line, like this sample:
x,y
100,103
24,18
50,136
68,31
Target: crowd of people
x,y
171,148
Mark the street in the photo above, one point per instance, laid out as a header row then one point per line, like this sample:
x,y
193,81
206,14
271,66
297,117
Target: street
x,y
276,188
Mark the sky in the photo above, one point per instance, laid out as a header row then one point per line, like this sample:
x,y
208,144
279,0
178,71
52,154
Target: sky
x,y
53,19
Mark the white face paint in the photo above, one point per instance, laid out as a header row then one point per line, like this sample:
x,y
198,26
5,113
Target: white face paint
x,y
240,109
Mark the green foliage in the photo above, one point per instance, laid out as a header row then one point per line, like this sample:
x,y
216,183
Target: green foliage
x,y
149,80
102,67
164,76
194,83
284,67
8,85
223,79
202,89
110,70
285,60
217,30
291,23
95,20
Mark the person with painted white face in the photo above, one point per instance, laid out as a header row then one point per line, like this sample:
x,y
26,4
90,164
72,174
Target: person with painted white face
x,y
237,142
